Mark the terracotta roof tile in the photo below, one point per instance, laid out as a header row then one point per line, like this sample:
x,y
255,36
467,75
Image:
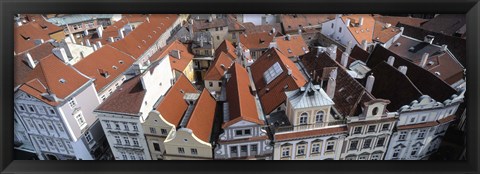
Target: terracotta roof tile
x,y
228,48
272,94
203,116
394,20
127,99
260,40
363,32
311,133
176,63
145,35
439,61
105,59
291,22
173,106
349,93
51,73
24,36
251,28
241,102
426,82
383,34
295,46
216,70
21,68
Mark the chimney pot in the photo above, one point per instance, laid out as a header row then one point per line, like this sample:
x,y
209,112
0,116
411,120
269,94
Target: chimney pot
x,y
370,81
424,60
344,59
403,69
391,60
100,31
29,60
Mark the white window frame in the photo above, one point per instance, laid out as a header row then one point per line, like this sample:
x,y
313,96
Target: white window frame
x,y
316,148
369,143
330,143
303,119
193,151
72,103
88,137
402,136
126,140
82,123
422,133
319,117
301,149
181,150
353,142
285,152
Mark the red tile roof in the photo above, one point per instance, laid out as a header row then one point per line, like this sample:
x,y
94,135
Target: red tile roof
x,y
274,96
173,106
51,73
24,36
228,48
241,102
383,34
363,32
260,40
21,67
310,133
203,116
291,22
145,35
112,30
105,59
295,46
176,63
127,99
394,20
216,70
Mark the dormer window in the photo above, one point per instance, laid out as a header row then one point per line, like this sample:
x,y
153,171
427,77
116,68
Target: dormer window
x,y
62,81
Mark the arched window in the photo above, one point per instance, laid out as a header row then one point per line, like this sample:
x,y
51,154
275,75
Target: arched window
x,y
303,118
375,111
319,117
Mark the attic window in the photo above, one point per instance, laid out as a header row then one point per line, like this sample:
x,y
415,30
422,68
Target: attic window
x,y
289,50
62,80
437,73
114,67
289,26
430,63
273,72
411,49
120,61
150,36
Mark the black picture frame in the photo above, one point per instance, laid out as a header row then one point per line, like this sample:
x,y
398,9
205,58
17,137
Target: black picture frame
x,y
10,7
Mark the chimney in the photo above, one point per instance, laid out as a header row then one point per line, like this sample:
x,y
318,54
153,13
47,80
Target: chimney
x,y
94,47
29,60
201,41
370,81
176,53
289,71
344,60
331,87
87,41
190,28
364,44
347,23
19,23
273,30
121,34
287,37
360,21
100,31
82,54
99,44
299,31
72,38
391,60
273,44
424,60
349,47
39,41
444,48
403,69
110,39
60,53
223,67
85,32
428,39
210,19
148,19
332,51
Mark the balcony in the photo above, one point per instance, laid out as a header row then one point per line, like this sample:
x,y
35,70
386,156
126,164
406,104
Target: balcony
x,y
309,126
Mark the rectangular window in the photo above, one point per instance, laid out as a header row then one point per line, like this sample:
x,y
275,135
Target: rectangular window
x,y
385,127
243,148
135,127
50,126
117,125
88,137
80,120
424,118
132,156
117,139
135,142
315,148
403,136
376,156
422,134
380,141
51,111
153,130
372,128
286,152
396,153
242,132
125,126
194,151
181,150
60,127
124,155
247,131
254,148
127,141
353,145
72,103
233,150
414,151
219,83
210,84
412,119
21,108
164,131
357,130
41,110
367,143
107,123
30,108
300,150
156,146
330,146
273,72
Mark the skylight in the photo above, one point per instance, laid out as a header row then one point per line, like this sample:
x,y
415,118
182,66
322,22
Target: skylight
x,y
273,72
